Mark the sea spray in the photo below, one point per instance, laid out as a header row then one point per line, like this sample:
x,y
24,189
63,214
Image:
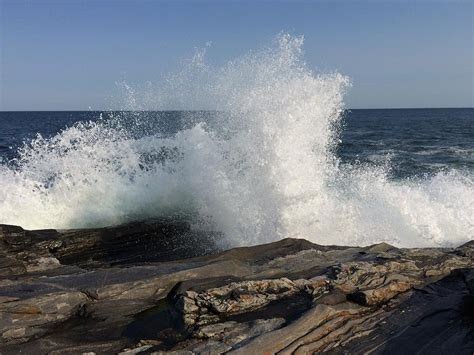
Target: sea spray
x,y
259,167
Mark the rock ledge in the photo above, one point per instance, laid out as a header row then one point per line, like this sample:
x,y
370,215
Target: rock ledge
x,y
160,287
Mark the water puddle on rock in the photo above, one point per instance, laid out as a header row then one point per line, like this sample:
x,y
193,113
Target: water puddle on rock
x,y
163,323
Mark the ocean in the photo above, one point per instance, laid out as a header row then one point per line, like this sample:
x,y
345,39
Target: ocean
x,y
265,150
418,143
425,153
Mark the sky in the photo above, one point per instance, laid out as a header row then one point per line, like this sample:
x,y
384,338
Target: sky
x,y
70,54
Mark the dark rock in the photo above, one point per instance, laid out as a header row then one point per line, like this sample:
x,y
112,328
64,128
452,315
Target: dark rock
x,y
13,236
157,240
466,250
468,275
162,287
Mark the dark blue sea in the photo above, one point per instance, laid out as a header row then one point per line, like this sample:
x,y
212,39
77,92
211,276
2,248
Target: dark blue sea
x,y
403,176
416,141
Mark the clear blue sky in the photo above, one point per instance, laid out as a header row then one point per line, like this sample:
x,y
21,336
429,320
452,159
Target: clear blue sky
x,y
68,54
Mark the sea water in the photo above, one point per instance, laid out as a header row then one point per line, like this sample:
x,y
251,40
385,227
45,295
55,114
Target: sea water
x,y
260,149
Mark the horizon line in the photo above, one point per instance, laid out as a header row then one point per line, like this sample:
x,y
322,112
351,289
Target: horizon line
x,y
204,110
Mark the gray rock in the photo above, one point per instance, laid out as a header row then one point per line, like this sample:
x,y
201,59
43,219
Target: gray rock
x,y
161,287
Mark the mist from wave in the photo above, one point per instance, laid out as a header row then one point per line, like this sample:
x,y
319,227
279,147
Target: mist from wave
x,y
261,167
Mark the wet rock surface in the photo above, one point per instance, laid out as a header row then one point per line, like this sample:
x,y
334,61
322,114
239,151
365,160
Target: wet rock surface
x,y
161,287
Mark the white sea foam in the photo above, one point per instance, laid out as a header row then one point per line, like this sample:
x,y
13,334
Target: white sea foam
x,y
263,169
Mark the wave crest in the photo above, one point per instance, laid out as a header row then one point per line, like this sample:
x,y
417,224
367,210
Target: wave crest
x,y
259,167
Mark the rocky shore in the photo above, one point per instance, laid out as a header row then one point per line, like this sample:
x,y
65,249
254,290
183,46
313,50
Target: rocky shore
x,y
161,287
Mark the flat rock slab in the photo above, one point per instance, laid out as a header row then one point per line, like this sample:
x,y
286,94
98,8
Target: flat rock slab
x,y
163,287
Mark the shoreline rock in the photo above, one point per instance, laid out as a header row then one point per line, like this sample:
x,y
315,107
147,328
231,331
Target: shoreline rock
x,y
161,287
